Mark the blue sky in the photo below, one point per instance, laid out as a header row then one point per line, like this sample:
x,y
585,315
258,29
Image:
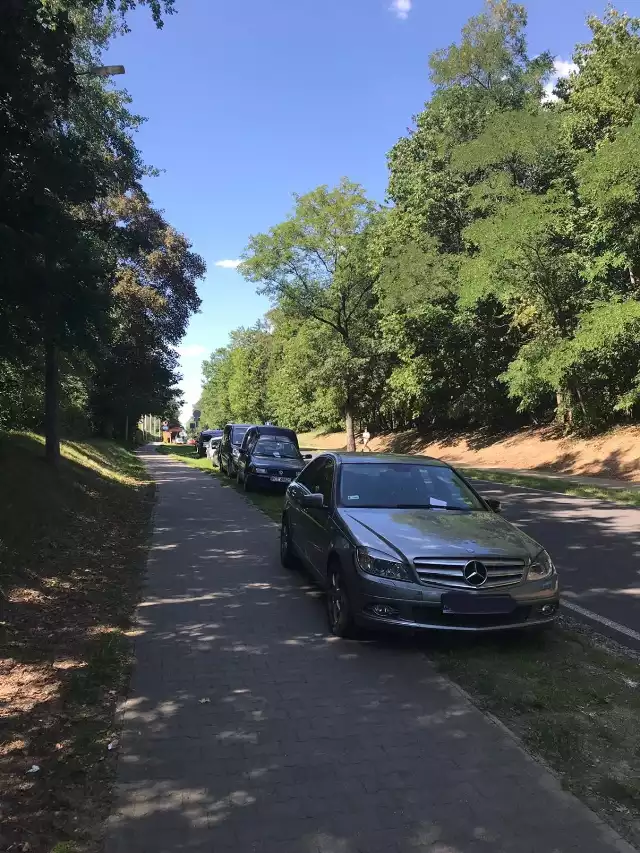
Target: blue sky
x,y
249,101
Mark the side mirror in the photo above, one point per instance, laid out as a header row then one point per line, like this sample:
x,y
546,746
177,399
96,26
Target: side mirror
x,y
493,504
314,501
308,456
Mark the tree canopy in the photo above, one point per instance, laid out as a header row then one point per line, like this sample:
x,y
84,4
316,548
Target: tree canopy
x,y
501,283
96,286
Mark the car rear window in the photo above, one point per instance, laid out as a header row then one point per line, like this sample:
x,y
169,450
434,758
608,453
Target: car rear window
x,y
404,485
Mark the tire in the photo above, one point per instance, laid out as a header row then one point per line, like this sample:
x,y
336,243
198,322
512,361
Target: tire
x,y
339,608
287,557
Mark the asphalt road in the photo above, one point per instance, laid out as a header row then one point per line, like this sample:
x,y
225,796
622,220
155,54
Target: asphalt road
x,y
594,544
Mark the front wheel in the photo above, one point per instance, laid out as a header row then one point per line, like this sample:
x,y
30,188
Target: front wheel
x,y
339,609
287,557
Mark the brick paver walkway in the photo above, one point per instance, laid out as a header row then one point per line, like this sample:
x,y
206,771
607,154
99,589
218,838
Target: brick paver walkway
x,y
249,729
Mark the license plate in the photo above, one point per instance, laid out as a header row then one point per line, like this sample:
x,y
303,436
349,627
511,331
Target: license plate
x,y
280,479
467,603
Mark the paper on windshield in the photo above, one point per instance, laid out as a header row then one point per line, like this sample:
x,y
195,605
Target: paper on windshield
x,y
436,502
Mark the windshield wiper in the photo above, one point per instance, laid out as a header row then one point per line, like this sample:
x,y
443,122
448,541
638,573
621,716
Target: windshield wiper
x,y
434,506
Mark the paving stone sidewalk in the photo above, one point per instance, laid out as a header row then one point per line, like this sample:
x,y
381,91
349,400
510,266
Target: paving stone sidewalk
x,y
249,729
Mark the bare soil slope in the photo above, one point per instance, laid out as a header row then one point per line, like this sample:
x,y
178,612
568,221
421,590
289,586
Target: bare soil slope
x,y
615,454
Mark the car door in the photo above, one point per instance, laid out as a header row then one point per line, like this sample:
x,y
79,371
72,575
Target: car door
x,y
225,445
246,450
299,523
317,519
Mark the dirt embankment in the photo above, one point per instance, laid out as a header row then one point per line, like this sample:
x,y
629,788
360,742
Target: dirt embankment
x,y
615,454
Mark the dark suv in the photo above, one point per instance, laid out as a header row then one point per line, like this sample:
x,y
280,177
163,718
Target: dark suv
x,y
269,456
230,444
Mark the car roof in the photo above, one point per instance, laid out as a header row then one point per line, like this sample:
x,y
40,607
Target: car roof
x,y
378,458
248,426
273,430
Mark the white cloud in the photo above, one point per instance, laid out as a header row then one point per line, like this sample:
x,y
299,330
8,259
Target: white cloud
x,y
564,68
401,8
561,68
228,265
191,350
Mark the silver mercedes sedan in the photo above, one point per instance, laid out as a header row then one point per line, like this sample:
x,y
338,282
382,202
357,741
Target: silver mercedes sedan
x,y
405,541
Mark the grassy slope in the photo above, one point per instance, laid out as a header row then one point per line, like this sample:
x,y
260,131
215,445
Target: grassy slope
x,y
459,451
71,561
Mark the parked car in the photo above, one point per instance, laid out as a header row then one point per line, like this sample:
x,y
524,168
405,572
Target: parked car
x,y
179,439
269,456
230,444
212,446
192,442
404,541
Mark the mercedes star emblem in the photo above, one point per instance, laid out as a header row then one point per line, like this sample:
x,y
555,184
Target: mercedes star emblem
x,y
281,473
475,573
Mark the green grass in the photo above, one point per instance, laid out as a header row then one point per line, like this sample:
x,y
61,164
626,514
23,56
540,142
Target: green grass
x,y
268,502
71,564
629,497
573,703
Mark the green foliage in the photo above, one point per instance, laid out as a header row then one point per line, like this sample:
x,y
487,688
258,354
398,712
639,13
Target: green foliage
x,y
603,96
317,266
504,281
77,235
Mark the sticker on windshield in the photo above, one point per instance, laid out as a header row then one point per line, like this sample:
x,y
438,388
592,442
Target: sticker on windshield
x,y
353,498
436,502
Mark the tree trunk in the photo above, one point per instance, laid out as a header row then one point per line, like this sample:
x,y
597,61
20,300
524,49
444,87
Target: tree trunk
x,y
51,404
348,420
564,410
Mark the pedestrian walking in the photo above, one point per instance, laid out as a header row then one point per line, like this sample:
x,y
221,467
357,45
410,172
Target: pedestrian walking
x,y
366,438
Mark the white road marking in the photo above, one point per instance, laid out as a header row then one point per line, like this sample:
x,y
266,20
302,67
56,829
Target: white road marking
x,y
589,614
537,491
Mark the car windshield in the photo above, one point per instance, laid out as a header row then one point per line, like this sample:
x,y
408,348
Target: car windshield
x,y
277,447
405,485
238,434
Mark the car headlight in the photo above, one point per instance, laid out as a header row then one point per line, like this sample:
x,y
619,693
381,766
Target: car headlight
x,y
376,563
541,567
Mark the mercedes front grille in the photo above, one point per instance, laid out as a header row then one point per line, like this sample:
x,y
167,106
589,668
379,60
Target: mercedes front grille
x,y
449,573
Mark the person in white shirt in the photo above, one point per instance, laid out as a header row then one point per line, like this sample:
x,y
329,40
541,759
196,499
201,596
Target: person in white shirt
x,y
366,438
